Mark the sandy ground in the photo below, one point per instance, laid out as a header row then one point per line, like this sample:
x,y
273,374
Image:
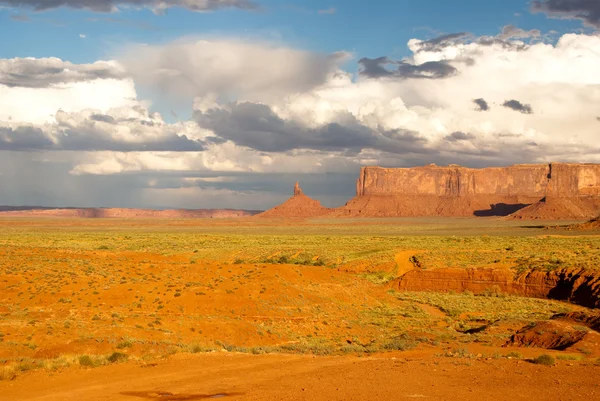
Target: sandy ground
x,y
285,377
61,295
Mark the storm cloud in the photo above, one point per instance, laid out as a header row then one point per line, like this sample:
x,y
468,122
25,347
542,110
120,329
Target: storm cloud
x,y
258,127
106,6
459,136
376,68
482,104
587,11
518,106
24,139
48,72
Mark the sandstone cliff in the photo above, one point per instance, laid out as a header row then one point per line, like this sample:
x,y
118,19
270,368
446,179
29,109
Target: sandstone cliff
x,y
573,189
299,205
574,285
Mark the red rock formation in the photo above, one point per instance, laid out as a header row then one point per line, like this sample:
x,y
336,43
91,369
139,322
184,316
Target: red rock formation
x,y
461,191
298,205
124,213
556,335
554,208
578,286
533,284
573,192
297,189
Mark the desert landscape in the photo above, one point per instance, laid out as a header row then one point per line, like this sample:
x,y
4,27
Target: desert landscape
x,y
299,302
299,200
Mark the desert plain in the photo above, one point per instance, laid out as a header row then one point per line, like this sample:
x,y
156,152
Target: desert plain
x,y
318,308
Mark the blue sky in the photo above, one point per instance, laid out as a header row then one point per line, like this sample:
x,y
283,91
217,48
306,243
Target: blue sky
x,y
366,28
229,107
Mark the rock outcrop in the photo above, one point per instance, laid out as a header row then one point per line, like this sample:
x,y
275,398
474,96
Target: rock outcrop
x,y
298,206
555,335
574,189
574,285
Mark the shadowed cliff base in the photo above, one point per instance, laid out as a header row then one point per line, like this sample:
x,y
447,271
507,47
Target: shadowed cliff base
x,y
432,205
500,210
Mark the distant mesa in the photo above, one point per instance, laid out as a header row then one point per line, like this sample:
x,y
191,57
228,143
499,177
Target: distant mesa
x,y
527,191
298,206
26,211
553,191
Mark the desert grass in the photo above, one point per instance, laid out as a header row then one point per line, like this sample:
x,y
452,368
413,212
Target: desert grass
x,y
144,290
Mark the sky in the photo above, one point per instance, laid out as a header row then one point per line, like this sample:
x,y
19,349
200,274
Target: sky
x,y
226,103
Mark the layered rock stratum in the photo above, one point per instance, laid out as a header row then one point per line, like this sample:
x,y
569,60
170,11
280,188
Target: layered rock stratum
x,y
529,191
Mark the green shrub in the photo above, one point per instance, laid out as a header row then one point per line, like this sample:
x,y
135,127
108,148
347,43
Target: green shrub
x,y
400,343
569,357
544,359
86,360
117,357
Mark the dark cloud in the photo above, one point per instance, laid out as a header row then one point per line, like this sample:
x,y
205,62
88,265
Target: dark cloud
x,y
459,136
98,132
24,139
376,68
110,5
518,106
482,105
587,11
102,118
47,72
504,43
503,39
256,126
511,31
441,42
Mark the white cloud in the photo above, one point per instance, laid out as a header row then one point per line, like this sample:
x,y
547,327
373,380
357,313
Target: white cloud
x,y
54,72
126,129
33,90
228,68
271,110
559,81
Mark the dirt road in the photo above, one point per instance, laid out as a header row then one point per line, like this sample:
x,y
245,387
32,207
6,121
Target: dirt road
x,y
286,377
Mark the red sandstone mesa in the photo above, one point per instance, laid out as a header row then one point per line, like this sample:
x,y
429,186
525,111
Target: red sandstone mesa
x,y
528,191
